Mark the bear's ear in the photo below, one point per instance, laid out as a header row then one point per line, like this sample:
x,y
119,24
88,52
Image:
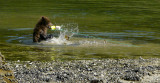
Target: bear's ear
x,y
43,20
43,17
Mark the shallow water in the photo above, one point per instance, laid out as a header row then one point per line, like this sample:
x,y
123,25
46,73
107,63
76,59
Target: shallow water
x,y
107,29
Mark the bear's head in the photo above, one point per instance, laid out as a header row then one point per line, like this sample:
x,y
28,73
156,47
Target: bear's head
x,y
44,21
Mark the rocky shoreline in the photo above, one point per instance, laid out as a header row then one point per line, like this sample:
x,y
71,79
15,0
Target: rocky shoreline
x,y
84,71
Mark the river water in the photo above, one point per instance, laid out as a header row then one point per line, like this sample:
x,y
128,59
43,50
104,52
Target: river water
x,y
107,29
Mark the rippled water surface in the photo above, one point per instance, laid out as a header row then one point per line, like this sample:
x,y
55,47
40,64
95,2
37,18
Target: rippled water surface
x,y
107,29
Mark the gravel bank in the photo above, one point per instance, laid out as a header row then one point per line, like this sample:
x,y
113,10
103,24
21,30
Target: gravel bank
x,y
86,71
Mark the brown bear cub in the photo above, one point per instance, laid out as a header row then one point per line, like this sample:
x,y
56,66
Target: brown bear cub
x,y
40,30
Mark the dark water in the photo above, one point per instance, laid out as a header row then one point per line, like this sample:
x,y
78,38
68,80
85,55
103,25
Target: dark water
x,y
107,29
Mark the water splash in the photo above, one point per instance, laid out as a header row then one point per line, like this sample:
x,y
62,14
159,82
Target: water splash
x,y
68,30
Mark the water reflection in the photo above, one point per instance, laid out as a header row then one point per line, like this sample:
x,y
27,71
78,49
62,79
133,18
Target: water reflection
x,y
83,45
140,36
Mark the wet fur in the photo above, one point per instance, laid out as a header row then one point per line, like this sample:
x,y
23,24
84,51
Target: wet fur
x,y
40,30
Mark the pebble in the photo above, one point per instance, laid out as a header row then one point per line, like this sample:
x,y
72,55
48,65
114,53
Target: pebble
x,y
90,71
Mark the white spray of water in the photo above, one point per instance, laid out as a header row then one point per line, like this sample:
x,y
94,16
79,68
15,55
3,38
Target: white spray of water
x,y
68,31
